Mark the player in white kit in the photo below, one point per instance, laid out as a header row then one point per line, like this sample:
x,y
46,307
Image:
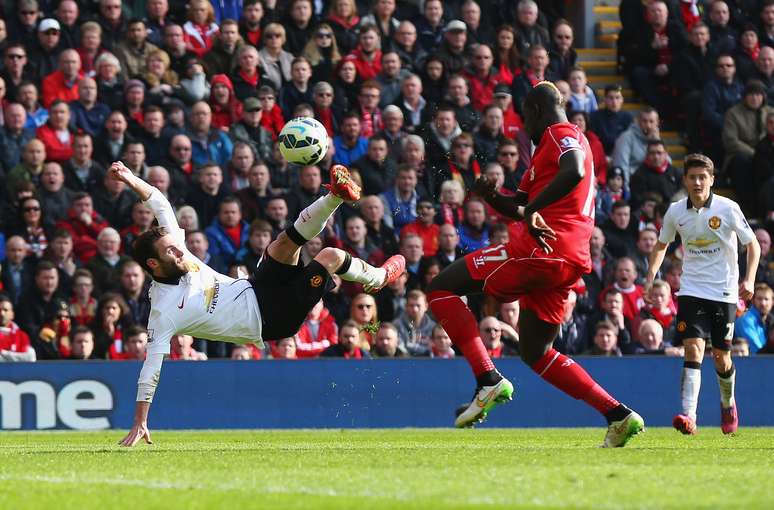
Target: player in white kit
x,y
709,226
188,297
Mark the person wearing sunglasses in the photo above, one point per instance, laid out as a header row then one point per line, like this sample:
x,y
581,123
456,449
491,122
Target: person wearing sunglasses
x,y
561,55
323,54
275,62
23,29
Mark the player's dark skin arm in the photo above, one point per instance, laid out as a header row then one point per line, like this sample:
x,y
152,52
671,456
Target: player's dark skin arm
x,y
571,172
506,205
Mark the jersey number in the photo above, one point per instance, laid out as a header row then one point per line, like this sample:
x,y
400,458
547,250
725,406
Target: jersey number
x,y
498,255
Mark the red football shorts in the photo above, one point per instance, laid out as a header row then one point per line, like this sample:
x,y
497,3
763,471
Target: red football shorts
x,y
539,281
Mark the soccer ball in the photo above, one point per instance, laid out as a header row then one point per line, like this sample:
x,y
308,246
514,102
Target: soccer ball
x,y
303,141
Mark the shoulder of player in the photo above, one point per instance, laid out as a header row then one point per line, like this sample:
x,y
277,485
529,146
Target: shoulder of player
x,y
724,203
677,207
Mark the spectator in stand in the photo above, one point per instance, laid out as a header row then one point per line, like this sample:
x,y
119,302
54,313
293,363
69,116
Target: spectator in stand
x,y
108,147
491,333
754,325
197,243
13,136
107,262
441,344
53,339
349,343
764,71
317,333
529,32
175,45
405,44
323,107
656,174
401,200
114,202
412,250
631,146
416,112
393,132
646,243
133,155
429,268
562,57
489,135
135,344
343,20
15,68
17,270
135,291
660,307
110,86
474,231
609,122
448,245
256,195
572,337
611,311
357,243
478,32
650,52
430,25
349,145
323,54
62,84
372,211
747,51
424,226
625,278
376,169
29,169
508,158
390,78
87,114
743,127
54,196
83,306
200,29
40,300
650,340
605,340
277,214
582,98
14,342
60,253
257,242
439,135
763,168
84,225
367,56
414,326
581,119
723,33
459,99
55,134
110,323
536,71
228,233
368,108
27,96
221,58
387,343
246,73
722,92
82,340
82,173
512,123
769,347
242,160
285,348
208,143
452,50
297,91
182,349
601,262
30,226
134,49
157,18
89,47
44,54
507,59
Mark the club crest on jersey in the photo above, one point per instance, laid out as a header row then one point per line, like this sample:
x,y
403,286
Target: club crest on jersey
x,y
316,281
681,326
714,223
569,142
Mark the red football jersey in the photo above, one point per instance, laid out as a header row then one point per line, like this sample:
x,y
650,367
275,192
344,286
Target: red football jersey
x,y
571,217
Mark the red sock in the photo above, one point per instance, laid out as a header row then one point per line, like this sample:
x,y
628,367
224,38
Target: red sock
x,y
571,378
458,321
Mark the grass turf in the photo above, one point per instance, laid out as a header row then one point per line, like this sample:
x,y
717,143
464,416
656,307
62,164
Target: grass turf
x,y
380,469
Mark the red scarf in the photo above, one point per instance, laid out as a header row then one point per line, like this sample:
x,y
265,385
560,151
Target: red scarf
x,y
235,234
451,215
457,175
658,169
353,355
532,77
252,80
254,36
187,168
326,119
348,24
754,51
690,13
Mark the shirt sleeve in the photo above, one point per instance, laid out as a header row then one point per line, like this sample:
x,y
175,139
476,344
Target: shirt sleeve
x,y
165,215
668,229
160,331
740,226
566,140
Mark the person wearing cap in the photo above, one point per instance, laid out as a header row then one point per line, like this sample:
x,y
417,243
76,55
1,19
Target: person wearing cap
x,y
430,25
134,98
743,127
44,55
612,192
249,129
452,49
63,83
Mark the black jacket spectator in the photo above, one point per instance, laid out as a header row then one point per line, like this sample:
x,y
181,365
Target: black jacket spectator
x,y
666,182
25,274
206,205
692,69
92,182
560,65
117,210
609,125
376,177
717,98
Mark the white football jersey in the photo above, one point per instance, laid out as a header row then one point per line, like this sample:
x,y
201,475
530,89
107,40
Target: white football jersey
x,y
709,236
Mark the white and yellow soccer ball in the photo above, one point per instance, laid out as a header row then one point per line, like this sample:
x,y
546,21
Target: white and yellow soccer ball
x,y
303,141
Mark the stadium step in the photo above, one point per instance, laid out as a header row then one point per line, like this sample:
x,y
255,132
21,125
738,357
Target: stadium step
x,y
606,40
606,13
595,54
600,81
598,67
605,27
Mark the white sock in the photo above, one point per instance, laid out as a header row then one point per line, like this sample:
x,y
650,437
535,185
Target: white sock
x,y
361,271
689,390
312,220
727,388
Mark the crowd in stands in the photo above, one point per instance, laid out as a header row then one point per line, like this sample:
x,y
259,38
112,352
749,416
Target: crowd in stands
x,y
419,100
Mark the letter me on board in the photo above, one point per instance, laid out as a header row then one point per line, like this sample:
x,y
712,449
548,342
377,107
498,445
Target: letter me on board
x,y
77,396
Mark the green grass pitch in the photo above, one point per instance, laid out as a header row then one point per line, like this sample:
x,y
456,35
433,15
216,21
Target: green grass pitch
x,y
381,469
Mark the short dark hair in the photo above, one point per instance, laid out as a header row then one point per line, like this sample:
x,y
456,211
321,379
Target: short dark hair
x,y
260,226
80,195
135,21
5,298
378,138
656,142
134,330
44,265
618,204
699,161
61,233
613,87
230,199
144,247
82,330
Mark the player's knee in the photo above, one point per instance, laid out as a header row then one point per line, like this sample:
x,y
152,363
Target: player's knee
x,y
331,258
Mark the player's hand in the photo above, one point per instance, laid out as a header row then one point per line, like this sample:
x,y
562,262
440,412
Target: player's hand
x,y
139,431
646,290
539,229
746,289
120,172
484,187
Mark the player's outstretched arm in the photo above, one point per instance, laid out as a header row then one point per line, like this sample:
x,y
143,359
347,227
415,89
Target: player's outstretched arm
x,y
120,172
146,388
506,205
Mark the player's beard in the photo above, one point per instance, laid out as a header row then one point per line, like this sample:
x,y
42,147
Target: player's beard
x,y
174,271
